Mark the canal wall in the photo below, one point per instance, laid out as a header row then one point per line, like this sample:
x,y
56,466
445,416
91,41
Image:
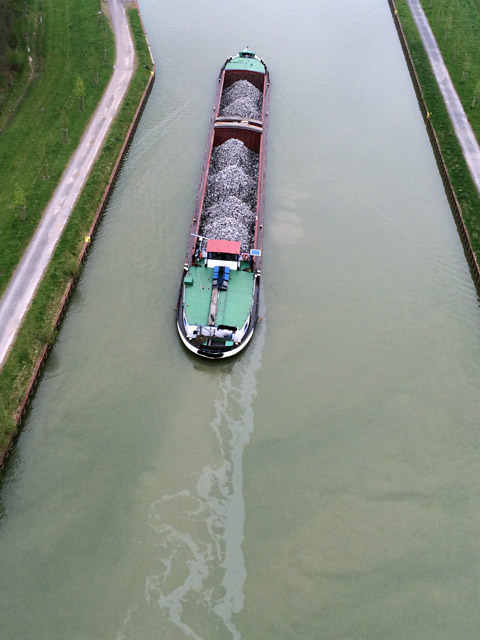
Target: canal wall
x,y
23,407
454,204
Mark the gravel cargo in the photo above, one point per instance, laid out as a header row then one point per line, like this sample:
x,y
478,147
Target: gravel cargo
x,y
230,204
242,100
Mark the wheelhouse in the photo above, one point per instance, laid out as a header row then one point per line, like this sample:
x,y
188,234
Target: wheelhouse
x,y
223,253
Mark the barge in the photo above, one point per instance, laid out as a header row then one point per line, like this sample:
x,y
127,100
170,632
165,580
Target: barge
x,y
217,308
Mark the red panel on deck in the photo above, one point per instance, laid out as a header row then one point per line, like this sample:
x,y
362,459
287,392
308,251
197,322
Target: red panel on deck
x,y
223,246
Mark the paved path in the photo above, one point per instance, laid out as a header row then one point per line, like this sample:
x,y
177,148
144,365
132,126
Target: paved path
x,y
465,135
21,289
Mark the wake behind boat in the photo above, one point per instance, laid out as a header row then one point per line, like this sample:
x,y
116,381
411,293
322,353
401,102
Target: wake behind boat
x,y
217,308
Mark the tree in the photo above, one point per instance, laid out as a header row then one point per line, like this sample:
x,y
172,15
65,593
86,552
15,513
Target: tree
x,y
64,124
476,94
93,64
466,67
448,25
456,48
104,42
20,202
79,92
44,162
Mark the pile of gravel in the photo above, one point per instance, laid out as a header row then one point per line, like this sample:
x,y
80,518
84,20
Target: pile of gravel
x,y
231,181
230,204
230,219
242,100
234,152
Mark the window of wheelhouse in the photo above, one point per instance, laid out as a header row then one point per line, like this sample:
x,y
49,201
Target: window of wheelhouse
x,y
215,255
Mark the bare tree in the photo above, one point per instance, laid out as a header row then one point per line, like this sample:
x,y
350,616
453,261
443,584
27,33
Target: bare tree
x,y
44,163
79,92
466,67
448,26
476,94
20,202
456,49
93,64
64,124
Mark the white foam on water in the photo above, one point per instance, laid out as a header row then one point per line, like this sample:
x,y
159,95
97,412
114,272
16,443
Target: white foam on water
x,y
199,530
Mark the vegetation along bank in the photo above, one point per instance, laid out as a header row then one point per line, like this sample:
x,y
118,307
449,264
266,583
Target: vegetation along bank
x,y
456,26
67,54
38,331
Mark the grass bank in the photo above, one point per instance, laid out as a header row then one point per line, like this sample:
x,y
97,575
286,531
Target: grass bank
x,y
72,51
457,29
37,327
18,51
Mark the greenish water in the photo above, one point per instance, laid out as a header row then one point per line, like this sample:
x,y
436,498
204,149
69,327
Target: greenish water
x,y
325,485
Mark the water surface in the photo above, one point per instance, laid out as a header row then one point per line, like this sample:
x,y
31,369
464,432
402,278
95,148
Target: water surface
x,y
325,485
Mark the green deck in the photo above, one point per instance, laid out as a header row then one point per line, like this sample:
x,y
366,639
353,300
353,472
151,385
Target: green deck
x,y
248,64
233,304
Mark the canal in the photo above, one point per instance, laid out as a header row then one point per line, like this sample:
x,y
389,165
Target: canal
x,y
325,485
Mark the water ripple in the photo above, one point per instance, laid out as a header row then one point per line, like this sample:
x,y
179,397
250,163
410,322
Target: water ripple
x,y
198,530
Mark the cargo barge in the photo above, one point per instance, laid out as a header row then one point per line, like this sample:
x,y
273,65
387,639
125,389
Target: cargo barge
x,y
217,308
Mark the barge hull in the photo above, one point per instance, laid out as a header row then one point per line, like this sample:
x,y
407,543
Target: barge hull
x,y
208,318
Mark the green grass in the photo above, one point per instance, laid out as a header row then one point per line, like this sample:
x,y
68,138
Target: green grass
x,y
37,328
72,39
464,16
456,25
17,19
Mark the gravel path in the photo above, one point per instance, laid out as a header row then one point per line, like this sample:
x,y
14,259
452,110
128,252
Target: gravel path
x,y
19,294
464,131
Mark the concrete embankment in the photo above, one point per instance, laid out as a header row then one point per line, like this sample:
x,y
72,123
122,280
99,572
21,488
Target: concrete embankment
x,y
27,396
454,203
